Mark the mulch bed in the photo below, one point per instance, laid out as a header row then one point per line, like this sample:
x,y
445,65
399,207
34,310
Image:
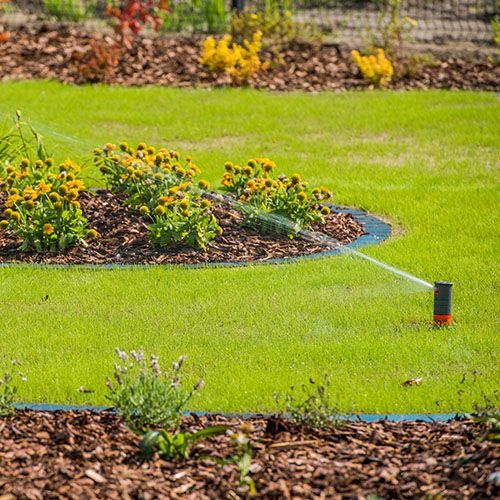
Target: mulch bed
x,y
85,455
46,52
125,239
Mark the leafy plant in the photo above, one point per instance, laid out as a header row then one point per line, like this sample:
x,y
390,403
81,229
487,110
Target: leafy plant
x,y
70,10
42,206
284,199
393,30
495,26
131,16
243,457
176,446
186,221
18,141
275,22
489,415
98,63
199,16
311,407
8,391
240,62
146,395
161,188
376,69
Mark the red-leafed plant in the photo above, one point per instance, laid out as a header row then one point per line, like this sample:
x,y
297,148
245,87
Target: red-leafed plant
x,y
131,16
4,35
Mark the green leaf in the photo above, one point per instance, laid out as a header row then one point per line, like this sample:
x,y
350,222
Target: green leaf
x,y
148,443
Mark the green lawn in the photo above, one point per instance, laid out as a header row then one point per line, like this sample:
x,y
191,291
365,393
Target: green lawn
x,y
428,162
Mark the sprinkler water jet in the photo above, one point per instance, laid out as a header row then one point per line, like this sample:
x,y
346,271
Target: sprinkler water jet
x,y
442,303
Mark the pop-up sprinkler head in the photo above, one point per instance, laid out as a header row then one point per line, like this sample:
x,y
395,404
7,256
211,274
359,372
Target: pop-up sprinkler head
x,y
442,303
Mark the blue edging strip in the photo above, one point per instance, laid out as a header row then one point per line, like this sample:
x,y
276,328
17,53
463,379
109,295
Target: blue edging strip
x,y
363,417
375,231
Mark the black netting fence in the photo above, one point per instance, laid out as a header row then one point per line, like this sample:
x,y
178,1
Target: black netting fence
x,y
435,21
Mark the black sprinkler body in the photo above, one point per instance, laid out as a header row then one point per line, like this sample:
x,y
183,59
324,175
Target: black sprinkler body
x,y
442,303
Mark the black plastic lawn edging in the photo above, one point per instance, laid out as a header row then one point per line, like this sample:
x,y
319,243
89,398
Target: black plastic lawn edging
x,y
361,417
375,231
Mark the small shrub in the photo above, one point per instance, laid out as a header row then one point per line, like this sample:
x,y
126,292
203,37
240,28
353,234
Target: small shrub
x,y
393,31
286,199
175,446
276,24
161,187
42,206
99,62
376,69
241,62
144,394
495,26
70,10
312,407
199,16
131,16
8,391
186,221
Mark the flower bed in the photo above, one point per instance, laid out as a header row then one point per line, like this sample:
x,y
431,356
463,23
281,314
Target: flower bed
x,y
79,454
124,239
45,52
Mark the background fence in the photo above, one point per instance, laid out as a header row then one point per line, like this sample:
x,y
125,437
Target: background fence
x,y
438,21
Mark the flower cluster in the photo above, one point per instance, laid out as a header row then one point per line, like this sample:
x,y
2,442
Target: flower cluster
x,y
241,62
160,186
376,69
287,199
41,205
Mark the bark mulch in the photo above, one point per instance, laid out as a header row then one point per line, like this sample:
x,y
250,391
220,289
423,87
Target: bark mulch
x,y
48,52
125,239
85,455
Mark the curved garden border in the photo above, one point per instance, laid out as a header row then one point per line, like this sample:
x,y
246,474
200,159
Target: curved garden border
x,y
375,231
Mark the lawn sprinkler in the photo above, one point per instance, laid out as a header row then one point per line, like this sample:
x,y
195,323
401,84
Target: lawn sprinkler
x,y
442,303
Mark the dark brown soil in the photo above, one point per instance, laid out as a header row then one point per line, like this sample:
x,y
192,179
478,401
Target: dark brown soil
x,y
47,52
84,455
125,239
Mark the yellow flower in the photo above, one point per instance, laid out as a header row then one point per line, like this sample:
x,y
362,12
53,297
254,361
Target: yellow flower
x,y
48,229
72,194
302,196
92,234
4,224
76,184
205,204
144,210
12,200
160,210
43,188
325,210
203,184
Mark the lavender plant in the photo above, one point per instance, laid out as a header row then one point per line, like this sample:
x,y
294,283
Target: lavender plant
x,y
144,394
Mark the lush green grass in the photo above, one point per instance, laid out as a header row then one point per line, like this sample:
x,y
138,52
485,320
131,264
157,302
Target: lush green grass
x,y
428,162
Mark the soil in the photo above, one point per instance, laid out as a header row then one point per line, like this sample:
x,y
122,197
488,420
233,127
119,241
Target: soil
x,y
48,52
125,239
85,455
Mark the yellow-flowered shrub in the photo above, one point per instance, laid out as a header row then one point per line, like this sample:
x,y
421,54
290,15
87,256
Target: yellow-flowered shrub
x,y
286,199
160,186
376,69
41,205
241,62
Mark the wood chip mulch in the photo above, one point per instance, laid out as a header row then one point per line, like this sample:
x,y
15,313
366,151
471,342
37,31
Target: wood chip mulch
x,y
48,52
125,239
85,455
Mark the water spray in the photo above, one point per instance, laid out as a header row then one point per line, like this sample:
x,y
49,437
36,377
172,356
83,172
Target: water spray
x,y
442,290
442,303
